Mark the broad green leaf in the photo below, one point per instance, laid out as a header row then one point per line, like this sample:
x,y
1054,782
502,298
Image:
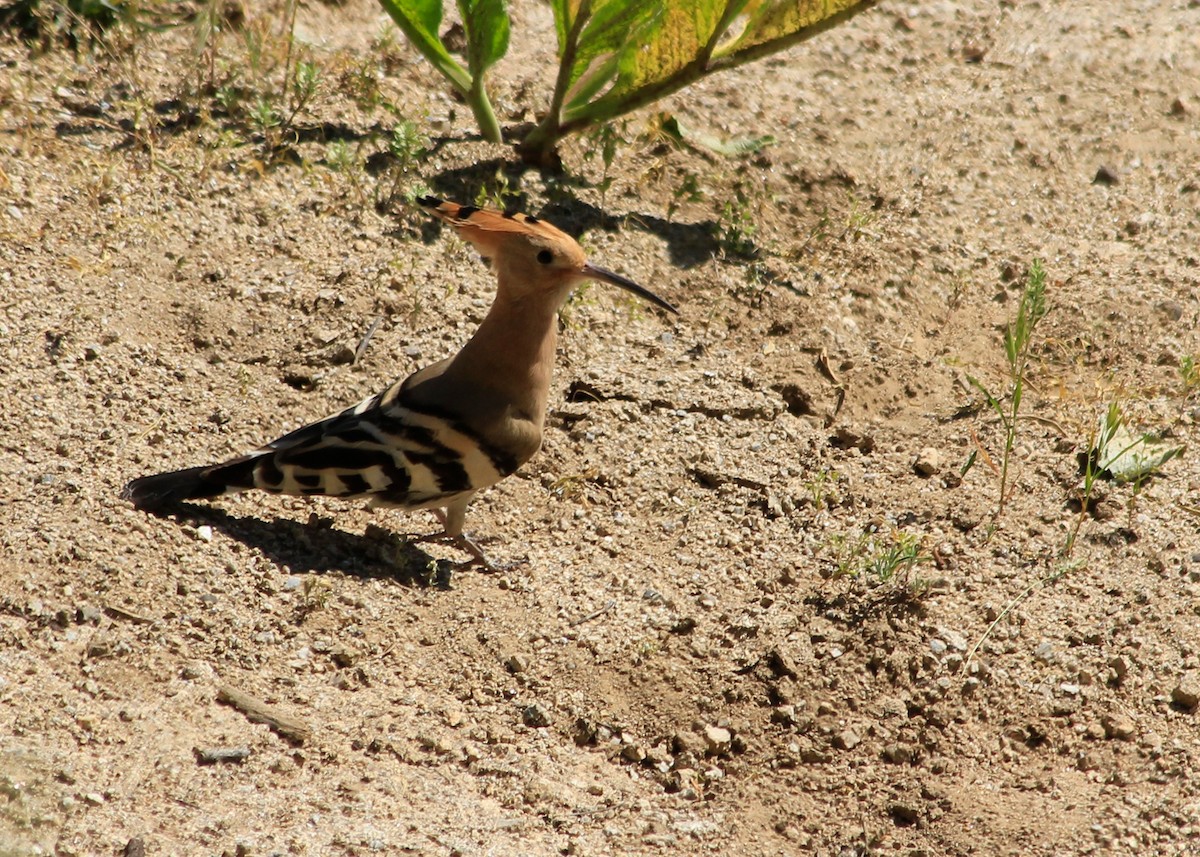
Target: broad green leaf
x,y
612,29
732,147
1129,457
486,24
769,20
600,75
681,35
419,20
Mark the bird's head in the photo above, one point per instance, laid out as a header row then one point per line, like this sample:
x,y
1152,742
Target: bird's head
x,y
531,256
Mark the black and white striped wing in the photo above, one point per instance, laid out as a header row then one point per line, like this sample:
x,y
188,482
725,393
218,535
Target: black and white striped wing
x,y
384,447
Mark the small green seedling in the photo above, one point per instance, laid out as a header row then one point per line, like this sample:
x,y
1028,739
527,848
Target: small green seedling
x,y
737,227
1018,336
1116,453
1189,374
1127,457
878,559
605,140
498,194
688,190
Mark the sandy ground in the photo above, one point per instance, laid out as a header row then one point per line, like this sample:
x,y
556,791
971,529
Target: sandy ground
x,y
703,650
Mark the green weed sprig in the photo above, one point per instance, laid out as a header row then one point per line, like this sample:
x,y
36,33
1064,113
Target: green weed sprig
x,y
1018,336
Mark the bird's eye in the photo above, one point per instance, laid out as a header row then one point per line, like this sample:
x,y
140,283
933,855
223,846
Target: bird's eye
x,y
545,257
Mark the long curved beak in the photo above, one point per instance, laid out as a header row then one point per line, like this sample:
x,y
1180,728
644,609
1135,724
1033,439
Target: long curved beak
x,y
603,275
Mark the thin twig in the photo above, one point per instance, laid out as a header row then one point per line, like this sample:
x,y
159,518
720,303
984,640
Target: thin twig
x,y
593,615
257,711
1011,605
365,341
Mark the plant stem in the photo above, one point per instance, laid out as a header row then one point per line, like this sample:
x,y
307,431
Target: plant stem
x,y
289,13
538,145
1010,436
477,98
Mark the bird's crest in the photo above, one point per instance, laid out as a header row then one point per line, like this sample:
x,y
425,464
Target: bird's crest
x,y
488,229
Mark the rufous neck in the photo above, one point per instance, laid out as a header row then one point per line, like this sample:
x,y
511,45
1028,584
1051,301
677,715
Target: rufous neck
x,y
512,352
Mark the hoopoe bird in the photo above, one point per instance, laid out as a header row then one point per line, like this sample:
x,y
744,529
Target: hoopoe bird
x,y
437,438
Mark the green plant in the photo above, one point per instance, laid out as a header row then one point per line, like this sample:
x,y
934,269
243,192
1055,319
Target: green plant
x,y
880,559
901,554
1124,456
1100,436
407,146
615,56
688,190
1189,374
314,595
342,158
1018,336
74,21
262,88
265,119
819,486
736,228
1115,452
496,194
361,82
604,139
305,82
228,98
485,23
206,28
670,128
859,219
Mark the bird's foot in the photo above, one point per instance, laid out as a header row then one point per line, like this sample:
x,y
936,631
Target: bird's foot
x,y
481,560
478,559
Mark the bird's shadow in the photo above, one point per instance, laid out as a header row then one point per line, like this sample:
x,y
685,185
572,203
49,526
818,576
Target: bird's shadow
x,y
317,547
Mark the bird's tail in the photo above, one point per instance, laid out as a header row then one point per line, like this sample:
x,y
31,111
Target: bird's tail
x,y
192,483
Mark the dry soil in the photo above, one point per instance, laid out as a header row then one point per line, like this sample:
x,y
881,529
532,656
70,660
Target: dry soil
x,y
701,649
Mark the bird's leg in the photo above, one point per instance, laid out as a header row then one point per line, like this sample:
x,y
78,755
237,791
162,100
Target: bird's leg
x,y
452,531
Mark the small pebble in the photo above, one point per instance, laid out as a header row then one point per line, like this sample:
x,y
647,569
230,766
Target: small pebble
x,y
1119,726
1119,667
929,462
193,670
536,716
717,740
956,641
847,739
1186,694
1106,175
